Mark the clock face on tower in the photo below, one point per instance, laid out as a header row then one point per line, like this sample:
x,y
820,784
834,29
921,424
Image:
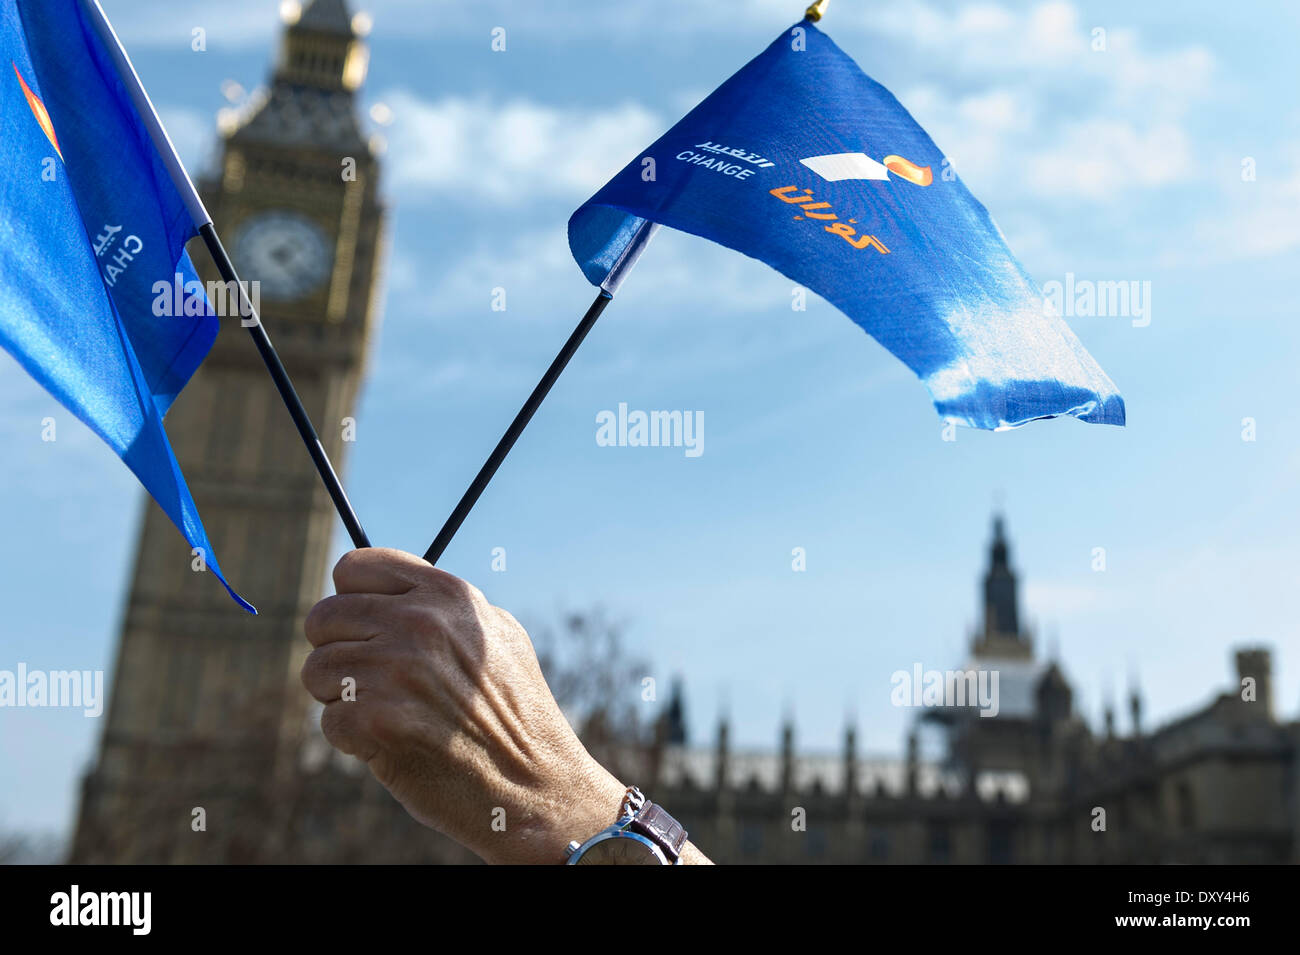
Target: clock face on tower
x,y
285,251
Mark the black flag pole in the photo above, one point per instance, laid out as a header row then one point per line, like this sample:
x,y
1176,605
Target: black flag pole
x,y
631,253
288,394
516,428
203,224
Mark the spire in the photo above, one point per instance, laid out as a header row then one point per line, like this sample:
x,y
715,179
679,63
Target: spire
x,y
722,755
310,102
675,716
326,16
1000,610
850,761
1135,706
321,48
787,755
1001,636
913,762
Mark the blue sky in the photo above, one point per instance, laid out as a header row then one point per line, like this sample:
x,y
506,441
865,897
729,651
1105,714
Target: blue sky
x,y
1116,164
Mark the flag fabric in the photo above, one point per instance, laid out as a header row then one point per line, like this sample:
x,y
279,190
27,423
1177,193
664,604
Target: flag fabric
x,y
95,211
803,161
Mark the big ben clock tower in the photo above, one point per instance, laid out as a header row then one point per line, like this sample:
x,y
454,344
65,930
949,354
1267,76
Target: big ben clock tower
x,y
206,713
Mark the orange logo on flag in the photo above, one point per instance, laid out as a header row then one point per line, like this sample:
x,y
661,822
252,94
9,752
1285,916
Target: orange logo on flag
x,y
921,175
38,110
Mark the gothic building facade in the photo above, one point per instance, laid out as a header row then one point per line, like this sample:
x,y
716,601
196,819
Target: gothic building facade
x,y
1031,784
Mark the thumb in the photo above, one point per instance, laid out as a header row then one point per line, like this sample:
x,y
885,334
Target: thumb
x,y
378,570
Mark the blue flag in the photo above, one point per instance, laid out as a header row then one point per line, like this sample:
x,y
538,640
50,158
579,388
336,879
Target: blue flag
x,y
95,211
803,161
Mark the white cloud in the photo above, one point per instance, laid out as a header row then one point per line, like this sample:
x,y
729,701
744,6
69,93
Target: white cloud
x,y
529,263
998,109
985,40
1156,84
231,23
535,266
1005,74
1102,158
1269,222
510,151
1024,98
1261,217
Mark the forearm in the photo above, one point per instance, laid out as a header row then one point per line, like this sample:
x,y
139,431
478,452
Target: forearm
x,y
590,803
693,856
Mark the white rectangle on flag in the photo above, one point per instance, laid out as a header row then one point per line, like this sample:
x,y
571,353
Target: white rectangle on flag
x,y
839,166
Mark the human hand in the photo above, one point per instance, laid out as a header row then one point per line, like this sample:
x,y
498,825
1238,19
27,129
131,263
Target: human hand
x,y
450,711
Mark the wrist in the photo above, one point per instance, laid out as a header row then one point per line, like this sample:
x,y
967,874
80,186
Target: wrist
x,y
598,809
588,802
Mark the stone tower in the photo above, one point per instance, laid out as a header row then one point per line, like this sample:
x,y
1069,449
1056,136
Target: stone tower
x,y
206,709
1002,636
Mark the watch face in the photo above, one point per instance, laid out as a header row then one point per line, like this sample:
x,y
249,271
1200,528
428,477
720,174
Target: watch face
x,y
284,251
626,849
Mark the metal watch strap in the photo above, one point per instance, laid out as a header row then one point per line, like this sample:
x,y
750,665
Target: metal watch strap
x,y
632,802
659,827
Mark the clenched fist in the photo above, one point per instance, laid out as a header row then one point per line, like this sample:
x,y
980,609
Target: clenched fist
x,y
451,712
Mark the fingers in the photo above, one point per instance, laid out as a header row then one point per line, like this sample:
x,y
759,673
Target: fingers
x,y
346,732
345,617
326,668
381,570
378,570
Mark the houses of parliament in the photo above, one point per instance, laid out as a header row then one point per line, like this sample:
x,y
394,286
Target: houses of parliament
x,y
209,752
1031,784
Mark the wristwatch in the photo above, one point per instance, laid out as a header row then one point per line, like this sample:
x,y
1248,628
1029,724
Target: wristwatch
x,y
643,835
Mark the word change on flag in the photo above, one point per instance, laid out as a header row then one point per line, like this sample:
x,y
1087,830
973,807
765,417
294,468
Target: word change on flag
x,y
804,162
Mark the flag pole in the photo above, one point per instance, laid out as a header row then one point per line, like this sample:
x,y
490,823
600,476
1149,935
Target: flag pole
x,y
816,11
203,224
284,385
516,428
644,231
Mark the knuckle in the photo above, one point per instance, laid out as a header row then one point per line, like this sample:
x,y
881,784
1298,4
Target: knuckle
x,y
464,590
381,725
309,669
326,668
445,584
507,620
414,619
333,725
315,675
347,568
385,658
407,671
371,723
472,596
318,618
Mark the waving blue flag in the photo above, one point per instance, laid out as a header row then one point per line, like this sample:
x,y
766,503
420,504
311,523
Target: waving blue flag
x,y
803,161
95,211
